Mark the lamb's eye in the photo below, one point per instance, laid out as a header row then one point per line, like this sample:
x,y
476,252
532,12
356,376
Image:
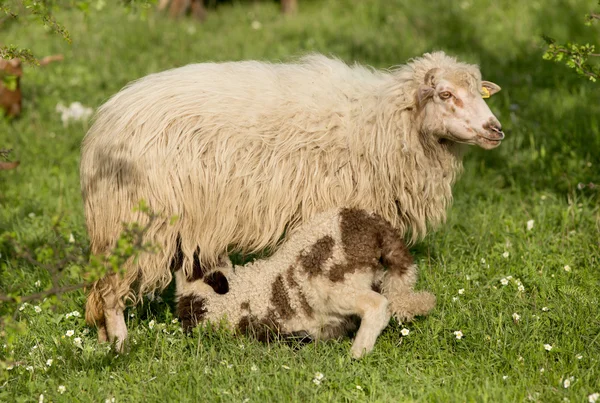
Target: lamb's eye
x,y
445,94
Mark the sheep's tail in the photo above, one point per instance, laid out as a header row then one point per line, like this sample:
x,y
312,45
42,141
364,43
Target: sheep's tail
x,y
94,308
400,279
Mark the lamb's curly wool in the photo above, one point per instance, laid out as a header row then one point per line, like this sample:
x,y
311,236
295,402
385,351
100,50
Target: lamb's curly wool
x,y
328,272
241,152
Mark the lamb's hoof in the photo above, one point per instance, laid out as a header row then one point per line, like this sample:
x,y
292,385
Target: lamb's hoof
x,y
359,352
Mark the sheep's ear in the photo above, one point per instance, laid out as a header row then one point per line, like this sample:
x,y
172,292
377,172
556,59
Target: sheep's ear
x,y
488,89
424,93
431,77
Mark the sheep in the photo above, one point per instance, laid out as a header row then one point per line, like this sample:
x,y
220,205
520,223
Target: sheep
x,y
329,273
242,152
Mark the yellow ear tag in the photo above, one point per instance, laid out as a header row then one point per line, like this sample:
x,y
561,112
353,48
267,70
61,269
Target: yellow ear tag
x,y
485,93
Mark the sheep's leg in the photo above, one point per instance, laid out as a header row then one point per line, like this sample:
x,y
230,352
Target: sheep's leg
x,y
404,303
105,309
373,310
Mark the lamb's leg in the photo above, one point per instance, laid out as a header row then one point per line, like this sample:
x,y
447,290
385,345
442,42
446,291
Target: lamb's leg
x,y
405,304
373,310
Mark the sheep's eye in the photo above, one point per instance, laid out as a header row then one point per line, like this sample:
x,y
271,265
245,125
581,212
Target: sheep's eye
x,y
445,94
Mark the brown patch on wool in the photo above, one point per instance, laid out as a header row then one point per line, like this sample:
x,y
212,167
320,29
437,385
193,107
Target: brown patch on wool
x,y
265,330
293,285
244,306
177,259
459,103
191,311
280,299
289,275
369,240
197,270
218,282
312,261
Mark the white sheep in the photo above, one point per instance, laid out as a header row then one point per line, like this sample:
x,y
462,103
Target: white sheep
x,y
243,151
343,265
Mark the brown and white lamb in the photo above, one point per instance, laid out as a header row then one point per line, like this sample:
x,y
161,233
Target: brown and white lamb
x,y
342,265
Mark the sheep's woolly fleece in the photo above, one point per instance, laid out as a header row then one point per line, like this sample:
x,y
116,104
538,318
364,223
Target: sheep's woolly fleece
x,y
241,152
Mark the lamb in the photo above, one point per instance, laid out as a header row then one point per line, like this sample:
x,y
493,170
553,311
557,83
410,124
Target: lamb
x,y
243,152
329,271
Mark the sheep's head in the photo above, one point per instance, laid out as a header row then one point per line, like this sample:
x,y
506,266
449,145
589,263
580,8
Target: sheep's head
x,y
453,108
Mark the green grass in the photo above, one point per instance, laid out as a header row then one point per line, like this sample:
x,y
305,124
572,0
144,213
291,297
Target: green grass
x,y
552,121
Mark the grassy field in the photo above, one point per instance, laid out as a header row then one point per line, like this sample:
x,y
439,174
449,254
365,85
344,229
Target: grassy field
x,y
552,121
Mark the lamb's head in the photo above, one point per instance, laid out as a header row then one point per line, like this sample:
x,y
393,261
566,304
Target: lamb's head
x,y
452,106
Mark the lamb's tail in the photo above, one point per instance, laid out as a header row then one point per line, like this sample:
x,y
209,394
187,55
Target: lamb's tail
x,y
400,279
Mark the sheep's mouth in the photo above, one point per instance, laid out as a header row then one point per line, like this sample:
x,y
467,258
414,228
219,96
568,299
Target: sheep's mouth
x,y
487,142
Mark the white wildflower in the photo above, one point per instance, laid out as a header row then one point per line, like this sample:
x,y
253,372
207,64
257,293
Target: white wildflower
x,y
31,215
70,333
593,398
151,324
256,25
318,378
254,368
285,367
109,400
520,359
461,291
37,284
71,238
23,306
505,255
504,281
516,317
37,309
509,277
132,315
359,387
49,362
85,331
567,382
482,260
545,309
174,320
404,332
74,112
530,225
62,389
548,347
567,268
459,335
521,288
29,368
454,299
505,377
542,370
579,356
77,342
41,398
76,314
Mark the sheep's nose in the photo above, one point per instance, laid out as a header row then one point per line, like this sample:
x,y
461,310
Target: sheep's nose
x,y
495,127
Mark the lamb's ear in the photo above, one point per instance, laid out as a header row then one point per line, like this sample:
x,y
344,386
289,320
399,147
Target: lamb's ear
x,y
424,93
488,89
431,77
